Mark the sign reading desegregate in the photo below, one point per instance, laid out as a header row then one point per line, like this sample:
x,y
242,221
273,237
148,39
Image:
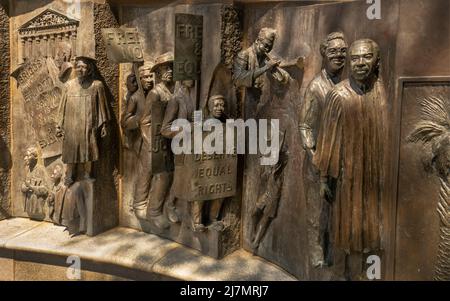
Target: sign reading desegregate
x,y
42,91
188,46
210,177
123,45
213,176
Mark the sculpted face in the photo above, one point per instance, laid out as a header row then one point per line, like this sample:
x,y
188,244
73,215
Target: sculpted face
x,y
335,55
30,158
146,80
82,69
363,61
264,46
57,174
166,72
132,85
217,107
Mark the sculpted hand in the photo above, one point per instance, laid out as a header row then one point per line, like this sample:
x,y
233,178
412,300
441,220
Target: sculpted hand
x,y
273,63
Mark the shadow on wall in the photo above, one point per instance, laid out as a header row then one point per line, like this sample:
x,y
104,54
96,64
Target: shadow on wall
x,y
5,158
5,166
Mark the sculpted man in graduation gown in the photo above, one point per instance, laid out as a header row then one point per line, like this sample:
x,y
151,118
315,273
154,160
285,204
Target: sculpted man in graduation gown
x,y
350,152
334,51
83,117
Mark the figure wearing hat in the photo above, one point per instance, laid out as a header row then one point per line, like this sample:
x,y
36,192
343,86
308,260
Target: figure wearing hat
x,y
83,116
157,183
251,64
131,120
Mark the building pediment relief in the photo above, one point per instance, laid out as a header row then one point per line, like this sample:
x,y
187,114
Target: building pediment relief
x,y
48,19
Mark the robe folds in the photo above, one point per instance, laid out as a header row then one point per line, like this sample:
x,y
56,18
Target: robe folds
x,y
350,150
82,112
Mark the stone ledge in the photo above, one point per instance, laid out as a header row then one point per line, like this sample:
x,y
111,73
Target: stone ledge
x,y
136,250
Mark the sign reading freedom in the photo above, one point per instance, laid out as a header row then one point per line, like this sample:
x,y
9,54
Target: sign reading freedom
x,y
188,46
42,91
123,45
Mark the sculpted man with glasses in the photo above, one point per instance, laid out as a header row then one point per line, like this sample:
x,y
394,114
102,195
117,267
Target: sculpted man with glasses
x,y
350,153
334,52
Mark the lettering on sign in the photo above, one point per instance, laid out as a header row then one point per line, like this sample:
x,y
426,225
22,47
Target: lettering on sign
x,y
188,46
123,45
42,91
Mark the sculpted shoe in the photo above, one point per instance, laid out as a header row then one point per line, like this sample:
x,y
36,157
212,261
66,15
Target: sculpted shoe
x,y
141,213
199,228
173,215
160,221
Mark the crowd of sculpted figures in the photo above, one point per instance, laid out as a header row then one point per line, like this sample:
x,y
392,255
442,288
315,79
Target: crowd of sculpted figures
x,y
342,128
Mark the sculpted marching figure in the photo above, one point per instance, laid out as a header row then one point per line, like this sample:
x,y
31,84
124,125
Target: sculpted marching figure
x,y
131,124
157,184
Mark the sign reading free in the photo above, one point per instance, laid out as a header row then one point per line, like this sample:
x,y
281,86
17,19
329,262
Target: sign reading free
x,y
188,46
123,45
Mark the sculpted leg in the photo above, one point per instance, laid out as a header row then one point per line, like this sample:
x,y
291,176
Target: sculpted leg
x,y
158,192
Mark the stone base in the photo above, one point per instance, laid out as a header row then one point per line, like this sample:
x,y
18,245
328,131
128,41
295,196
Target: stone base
x,y
39,251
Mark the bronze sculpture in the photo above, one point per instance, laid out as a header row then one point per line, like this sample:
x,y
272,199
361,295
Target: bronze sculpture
x,y
334,52
266,206
34,187
216,110
350,155
251,64
57,195
131,124
181,106
159,183
434,129
84,116
131,136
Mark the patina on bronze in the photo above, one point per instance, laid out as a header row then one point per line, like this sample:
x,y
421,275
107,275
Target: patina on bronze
x,y
434,129
249,67
188,46
41,90
350,151
160,162
83,118
123,45
34,188
334,52
131,124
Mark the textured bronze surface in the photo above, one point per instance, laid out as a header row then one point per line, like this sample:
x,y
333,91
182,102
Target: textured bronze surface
x,y
188,46
363,164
